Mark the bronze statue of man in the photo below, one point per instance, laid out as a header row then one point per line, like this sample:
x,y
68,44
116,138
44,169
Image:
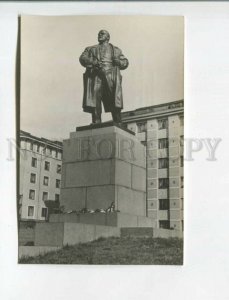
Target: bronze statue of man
x,y
102,79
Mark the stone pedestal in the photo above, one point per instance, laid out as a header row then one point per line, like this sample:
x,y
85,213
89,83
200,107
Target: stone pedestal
x,y
104,164
116,219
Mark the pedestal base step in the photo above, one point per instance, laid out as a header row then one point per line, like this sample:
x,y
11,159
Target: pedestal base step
x,y
63,233
115,219
150,232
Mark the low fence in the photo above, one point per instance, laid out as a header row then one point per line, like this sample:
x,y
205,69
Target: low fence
x,y
25,251
26,236
26,232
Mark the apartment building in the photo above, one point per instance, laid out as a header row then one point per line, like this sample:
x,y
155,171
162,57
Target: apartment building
x,y
40,175
161,129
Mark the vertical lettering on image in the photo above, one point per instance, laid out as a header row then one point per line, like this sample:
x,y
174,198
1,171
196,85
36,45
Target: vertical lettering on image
x,y
211,147
84,149
192,145
109,147
13,148
127,146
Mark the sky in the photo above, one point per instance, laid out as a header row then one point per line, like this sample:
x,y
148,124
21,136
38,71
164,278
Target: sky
x,y
52,77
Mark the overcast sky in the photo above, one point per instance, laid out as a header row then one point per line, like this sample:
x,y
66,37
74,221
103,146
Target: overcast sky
x,y
51,75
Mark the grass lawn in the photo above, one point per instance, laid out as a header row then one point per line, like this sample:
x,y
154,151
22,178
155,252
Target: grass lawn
x,y
113,250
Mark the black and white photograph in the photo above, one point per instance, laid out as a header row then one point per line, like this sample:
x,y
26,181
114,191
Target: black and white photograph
x,y
114,150
101,140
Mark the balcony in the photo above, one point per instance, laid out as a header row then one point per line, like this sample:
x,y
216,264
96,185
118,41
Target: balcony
x,y
162,134
141,136
162,173
162,153
162,193
163,214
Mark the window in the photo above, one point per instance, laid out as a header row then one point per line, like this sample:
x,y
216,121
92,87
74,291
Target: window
x,y
58,183
163,183
182,182
162,143
163,204
30,211
57,197
182,121
31,194
34,162
31,146
32,178
164,224
163,163
181,140
141,127
162,124
48,151
38,148
46,180
45,196
182,161
44,211
58,169
56,153
47,165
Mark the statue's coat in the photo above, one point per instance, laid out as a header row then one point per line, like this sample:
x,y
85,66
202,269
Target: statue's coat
x,y
111,80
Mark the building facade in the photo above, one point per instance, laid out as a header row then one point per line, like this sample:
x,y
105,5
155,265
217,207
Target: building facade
x,y
40,175
161,129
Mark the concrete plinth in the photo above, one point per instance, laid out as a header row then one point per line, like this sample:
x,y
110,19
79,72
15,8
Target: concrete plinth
x,y
60,234
101,166
115,219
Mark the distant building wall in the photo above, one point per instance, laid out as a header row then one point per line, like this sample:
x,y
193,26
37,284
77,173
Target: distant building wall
x,y
161,129
40,175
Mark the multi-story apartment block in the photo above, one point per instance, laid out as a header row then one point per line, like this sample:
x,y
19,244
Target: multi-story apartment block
x,y
40,175
160,129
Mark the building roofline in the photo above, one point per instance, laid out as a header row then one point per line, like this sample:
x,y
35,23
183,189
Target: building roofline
x,y
155,111
44,141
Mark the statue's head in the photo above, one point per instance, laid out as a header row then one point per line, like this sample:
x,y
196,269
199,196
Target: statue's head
x,y
103,36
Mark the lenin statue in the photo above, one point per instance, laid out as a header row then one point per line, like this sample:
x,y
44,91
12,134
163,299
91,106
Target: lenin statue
x,y
102,79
